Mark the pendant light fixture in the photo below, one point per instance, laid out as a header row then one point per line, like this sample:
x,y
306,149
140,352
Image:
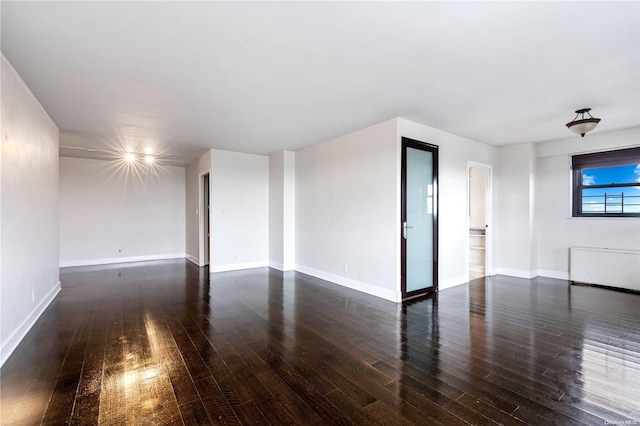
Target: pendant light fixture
x,y
583,125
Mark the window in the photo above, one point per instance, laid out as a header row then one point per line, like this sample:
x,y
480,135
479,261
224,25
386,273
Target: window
x,y
607,184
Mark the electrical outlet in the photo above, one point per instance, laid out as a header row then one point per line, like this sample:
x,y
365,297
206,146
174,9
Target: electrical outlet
x,y
345,269
33,295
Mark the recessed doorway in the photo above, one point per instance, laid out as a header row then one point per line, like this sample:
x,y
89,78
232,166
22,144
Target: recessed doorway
x,y
479,218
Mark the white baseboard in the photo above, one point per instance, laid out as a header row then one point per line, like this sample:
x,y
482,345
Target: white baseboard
x,y
192,259
549,273
276,265
522,273
281,267
237,266
518,273
18,334
452,282
124,259
352,284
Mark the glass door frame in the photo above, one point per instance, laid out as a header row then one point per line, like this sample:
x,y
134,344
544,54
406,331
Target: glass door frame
x,y
412,143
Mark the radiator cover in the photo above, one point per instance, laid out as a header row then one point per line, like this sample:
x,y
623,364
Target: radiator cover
x,y
606,266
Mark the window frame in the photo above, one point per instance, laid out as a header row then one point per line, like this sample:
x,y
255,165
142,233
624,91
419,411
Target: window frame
x,y
616,158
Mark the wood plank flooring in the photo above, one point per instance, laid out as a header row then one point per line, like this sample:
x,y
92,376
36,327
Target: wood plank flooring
x,y
165,343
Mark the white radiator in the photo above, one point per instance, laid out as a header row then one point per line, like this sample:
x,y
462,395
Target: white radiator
x,y
605,266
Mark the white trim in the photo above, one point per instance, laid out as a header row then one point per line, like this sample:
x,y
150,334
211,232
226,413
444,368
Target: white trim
x,y
19,333
276,265
352,284
549,273
192,259
237,266
107,261
201,218
452,282
281,267
488,236
518,273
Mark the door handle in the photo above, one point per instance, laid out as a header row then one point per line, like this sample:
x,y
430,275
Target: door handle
x,y
404,229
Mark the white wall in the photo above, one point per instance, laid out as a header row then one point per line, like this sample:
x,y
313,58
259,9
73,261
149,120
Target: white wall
x,y
29,278
454,153
276,210
557,230
112,212
348,206
289,211
347,211
516,252
282,210
239,210
194,244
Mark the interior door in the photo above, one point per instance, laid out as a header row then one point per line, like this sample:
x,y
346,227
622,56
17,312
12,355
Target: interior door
x,y
206,211
419,218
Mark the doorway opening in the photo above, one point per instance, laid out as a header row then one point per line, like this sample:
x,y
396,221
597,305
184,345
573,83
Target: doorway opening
x,y
479,219
205,226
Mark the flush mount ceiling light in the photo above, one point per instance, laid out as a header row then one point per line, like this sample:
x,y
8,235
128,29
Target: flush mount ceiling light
x,y
583,125
127,156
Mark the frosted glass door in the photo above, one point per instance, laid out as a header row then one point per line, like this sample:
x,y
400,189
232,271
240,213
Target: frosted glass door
x,y
419,220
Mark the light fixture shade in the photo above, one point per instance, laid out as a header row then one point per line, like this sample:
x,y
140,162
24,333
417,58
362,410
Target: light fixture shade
x,y
583,125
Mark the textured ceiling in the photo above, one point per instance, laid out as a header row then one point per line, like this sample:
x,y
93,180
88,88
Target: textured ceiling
x,y
182,77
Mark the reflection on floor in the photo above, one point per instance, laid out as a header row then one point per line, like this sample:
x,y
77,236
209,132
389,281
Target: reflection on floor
x,y
166,343
475,275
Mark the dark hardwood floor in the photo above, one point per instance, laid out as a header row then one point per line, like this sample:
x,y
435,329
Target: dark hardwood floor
x,y
161,343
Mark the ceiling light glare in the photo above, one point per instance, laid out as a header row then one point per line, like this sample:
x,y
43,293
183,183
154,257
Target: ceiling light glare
x,y
149,159
129,157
